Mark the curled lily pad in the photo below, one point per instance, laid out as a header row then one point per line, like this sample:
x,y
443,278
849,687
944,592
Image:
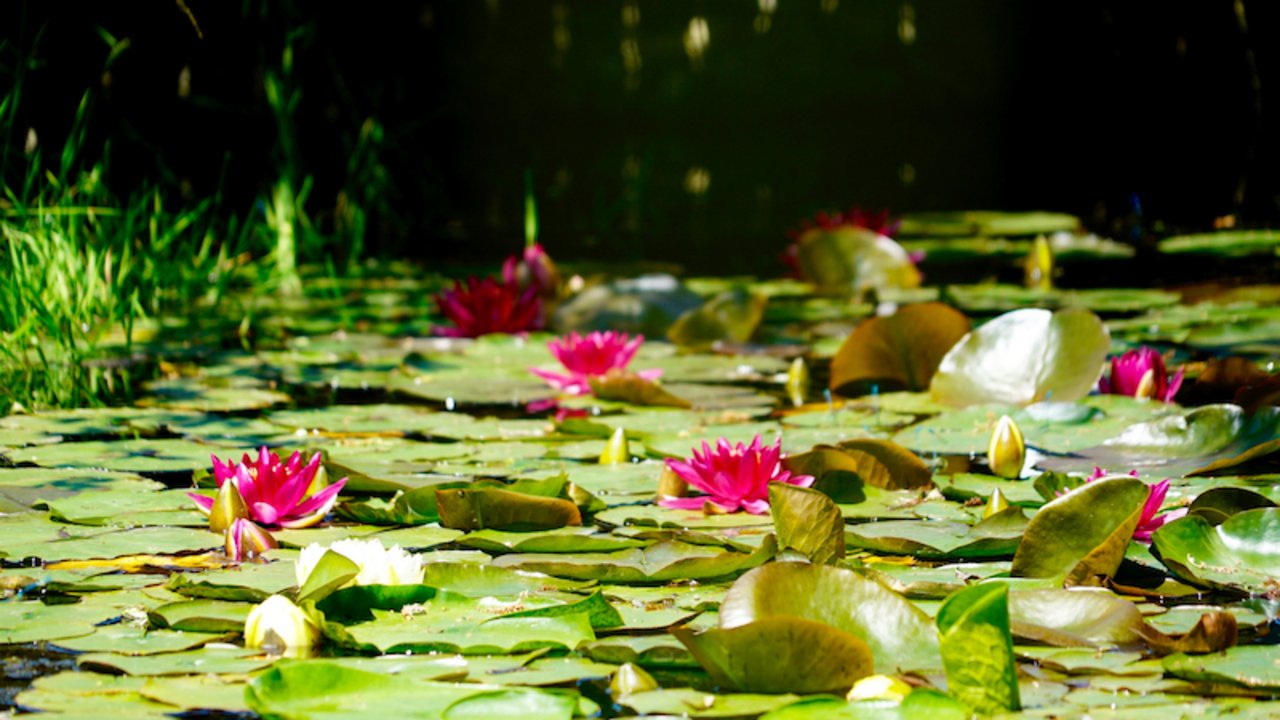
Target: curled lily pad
x,y
807,521
854,260
477,509
977,648
1084,533
1024,356
1218,504
731,316
780,655
900,635
870,461
631,388
1242,553
901,351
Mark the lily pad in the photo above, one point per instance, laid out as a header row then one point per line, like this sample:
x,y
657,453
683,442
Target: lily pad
x,y
900,351
1083,534
977,648
779,655
900,636
1022,357
1242,553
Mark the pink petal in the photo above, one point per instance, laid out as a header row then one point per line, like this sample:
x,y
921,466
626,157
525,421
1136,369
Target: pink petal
x,y
204,503
321,502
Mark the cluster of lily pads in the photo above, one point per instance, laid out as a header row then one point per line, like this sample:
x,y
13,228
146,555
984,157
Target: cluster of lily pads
x,y
586,524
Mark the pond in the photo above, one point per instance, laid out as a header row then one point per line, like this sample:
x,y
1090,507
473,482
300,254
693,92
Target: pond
x,y
921,500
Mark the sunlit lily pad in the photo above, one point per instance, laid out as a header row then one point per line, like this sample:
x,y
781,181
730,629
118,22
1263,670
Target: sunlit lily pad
x,y
661,562
899,635
1084,533
781,654
1022,357
1242,553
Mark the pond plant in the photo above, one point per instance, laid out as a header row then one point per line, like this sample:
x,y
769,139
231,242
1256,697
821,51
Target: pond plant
x,y
801,505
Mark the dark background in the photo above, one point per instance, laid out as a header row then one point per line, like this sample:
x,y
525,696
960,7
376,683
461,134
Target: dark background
x,y
1141,117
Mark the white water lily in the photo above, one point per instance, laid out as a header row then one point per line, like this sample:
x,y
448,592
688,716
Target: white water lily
x,y
379,565
280,627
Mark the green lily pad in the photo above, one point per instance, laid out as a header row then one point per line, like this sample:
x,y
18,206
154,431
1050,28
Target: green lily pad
x,y
977,648
219,659
997,536
779,655
900,636
1242,553
483,508
1022,357
1228,243
987,223
691,703
206,616
1084,533
1253,666
558,540
660,562
321,689
808,522
139,456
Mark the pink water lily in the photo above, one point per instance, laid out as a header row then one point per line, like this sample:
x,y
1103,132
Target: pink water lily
x,y
592,355
1152,519
480,307
1141,373
275,493
734,477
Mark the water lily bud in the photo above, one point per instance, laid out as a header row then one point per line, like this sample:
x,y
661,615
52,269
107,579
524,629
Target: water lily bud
x,y
797,381
280,627
1007,452
246,541
1147,386
1038,266
630,678
616,451
879,687
996,504
228,507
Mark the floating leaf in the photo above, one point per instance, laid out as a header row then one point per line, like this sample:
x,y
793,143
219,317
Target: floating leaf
x,y
807,521
900,351
477,509
854,260
731,316
1083,534
1022,357
1242,553
977,648
986,223
780,655
324,689
900,636
631,388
